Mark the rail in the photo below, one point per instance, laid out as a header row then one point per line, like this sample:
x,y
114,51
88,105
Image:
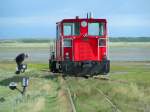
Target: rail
x,y
71,101
73,108
107,98
115,108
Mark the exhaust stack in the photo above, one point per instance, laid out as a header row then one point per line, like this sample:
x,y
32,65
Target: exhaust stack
x,y
89,15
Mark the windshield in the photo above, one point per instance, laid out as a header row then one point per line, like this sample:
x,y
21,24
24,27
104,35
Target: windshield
x,y
71,29
96,29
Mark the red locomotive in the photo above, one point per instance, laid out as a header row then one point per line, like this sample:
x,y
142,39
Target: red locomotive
x,y
81,47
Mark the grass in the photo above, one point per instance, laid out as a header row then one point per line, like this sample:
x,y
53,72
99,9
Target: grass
x,y
130,44
47,94
41,94
24,45
132,96
44,93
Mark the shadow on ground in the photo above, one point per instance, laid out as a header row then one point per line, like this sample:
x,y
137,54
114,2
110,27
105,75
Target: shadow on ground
x,y
16,79
50,76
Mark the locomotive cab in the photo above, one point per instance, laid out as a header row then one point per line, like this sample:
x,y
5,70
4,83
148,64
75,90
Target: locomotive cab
x,y
81,47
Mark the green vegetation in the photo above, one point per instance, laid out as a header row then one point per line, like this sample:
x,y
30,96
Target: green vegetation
x,y
48,40
120,45
42,40
44,93
129,39
128,90
41,95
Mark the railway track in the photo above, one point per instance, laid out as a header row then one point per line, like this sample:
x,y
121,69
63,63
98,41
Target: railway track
x,y
106,97
114,107
112,80
66,87
71,101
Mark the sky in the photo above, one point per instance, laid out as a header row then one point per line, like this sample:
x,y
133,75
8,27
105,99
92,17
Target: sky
x,y
37,18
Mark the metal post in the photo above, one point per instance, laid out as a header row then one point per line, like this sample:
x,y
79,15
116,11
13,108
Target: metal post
x,y
25,82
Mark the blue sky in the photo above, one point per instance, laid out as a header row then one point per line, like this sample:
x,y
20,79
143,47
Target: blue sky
x,y
37,18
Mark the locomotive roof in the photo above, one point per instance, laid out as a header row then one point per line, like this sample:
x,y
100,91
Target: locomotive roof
x,y
82,19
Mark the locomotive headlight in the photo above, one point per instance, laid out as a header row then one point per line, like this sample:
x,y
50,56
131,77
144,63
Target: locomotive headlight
x,y
67,54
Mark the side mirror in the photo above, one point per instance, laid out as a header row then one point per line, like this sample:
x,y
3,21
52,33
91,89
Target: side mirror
x,y
12,85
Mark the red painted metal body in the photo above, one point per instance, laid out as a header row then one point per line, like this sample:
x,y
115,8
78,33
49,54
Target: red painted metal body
x,y
83,46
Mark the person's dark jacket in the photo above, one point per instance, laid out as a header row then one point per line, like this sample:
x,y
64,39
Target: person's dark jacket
x,y
20,58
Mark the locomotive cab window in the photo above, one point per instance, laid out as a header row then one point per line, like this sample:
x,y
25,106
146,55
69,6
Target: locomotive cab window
x,y
67,43
96,29
102,42
70,29
57,32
